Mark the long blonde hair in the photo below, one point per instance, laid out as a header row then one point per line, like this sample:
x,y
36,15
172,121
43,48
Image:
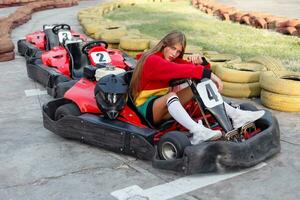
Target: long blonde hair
x,y
171,39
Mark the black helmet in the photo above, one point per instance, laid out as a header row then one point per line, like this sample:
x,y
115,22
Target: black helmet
x,y
111,95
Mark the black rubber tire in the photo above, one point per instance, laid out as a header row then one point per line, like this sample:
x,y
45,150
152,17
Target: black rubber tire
x,y
248,106
69,109
176,141
63,87
22,48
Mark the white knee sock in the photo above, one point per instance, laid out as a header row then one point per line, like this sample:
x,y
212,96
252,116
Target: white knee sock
x,y
177,111
200,132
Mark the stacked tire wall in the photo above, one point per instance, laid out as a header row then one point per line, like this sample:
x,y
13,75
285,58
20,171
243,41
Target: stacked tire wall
x,y
9,3
261,20
281,90
21,16
117,35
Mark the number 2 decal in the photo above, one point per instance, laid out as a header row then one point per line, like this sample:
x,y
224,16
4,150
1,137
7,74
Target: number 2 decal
x,y
101,57
209,93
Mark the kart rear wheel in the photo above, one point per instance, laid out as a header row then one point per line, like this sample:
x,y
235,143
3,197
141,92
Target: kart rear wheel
x,y
171,145
69,109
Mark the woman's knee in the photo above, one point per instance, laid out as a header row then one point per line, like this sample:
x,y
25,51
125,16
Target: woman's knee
x,y
170,95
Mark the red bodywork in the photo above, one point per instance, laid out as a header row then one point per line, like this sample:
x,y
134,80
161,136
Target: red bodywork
x,y
59,59
38,38
82,93
116,56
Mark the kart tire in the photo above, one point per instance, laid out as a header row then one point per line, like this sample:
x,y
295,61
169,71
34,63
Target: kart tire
x,y
62,87
69,109
270,63
240,72
22,47
281,82
281,102
171,145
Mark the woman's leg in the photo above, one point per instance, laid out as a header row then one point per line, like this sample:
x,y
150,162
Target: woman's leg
x,y
169,105
160,109
241,117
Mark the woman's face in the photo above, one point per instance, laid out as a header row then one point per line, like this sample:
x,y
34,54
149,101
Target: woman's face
x,y
172,52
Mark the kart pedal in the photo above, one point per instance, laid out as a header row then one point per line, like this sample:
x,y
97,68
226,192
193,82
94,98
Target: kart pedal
x,y
248,129
232,135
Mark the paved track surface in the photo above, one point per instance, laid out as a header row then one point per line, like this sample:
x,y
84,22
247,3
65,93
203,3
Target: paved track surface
x,y
36,164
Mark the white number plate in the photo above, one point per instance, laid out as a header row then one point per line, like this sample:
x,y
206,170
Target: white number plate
x,y
209,94
64,35
101,57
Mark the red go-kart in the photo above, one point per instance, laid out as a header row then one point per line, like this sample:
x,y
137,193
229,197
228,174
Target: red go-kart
x,y
60,67
100,111
51,36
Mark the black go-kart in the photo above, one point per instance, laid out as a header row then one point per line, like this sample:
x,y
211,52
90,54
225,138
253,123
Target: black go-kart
x,y
83,115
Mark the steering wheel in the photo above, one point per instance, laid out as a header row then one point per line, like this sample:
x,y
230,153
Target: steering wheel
x,y
175,82
58,27
88,46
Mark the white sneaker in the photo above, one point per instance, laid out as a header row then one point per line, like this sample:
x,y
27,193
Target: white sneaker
x,y
201,133
242,117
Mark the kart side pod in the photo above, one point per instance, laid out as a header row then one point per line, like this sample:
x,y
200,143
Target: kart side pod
x,y
96,130
215,155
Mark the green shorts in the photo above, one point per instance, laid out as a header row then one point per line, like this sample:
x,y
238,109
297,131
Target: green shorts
x,y
146,109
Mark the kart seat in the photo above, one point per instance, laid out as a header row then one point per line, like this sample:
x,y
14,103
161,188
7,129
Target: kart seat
x,y
51,38
78,60
130,103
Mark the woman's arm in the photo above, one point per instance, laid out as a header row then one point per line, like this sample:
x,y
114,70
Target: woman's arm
x,y
157,68
217,81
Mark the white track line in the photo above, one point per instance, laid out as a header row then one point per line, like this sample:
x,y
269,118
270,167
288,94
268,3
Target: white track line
x,y
34,92
175,188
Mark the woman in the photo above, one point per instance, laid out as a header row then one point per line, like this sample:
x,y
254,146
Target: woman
x,y
151,93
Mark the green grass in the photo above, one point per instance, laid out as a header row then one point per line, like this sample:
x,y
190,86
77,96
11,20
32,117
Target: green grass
x,y
157,19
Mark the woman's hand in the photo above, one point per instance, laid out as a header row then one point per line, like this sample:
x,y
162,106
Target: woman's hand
x,y
196,59
217,81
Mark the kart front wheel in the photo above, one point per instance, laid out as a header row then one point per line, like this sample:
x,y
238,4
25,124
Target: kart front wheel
x,y
69,109
171,145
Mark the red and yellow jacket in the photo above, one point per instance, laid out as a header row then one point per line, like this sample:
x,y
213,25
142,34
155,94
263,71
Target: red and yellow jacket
x,y
158,72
